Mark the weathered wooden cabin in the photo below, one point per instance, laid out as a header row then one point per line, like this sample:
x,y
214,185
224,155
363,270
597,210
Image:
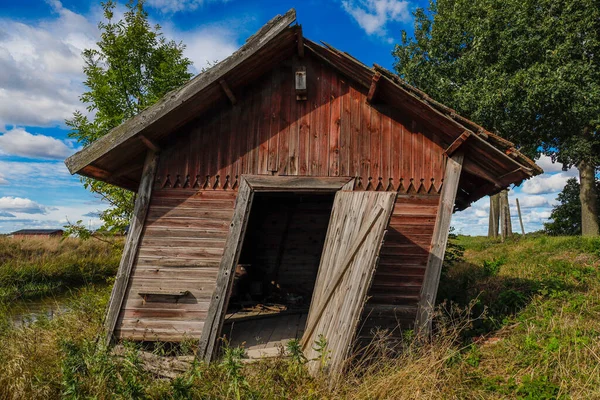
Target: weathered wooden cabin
x,y
290,191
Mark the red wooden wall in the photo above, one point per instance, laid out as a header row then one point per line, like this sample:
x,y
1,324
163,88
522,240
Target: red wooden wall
x,y
335,132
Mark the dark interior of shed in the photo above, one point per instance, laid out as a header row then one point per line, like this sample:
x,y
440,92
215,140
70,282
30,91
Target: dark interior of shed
x,y
277,269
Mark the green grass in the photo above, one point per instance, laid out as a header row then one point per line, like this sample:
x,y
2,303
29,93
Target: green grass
x,y
521,320
36,267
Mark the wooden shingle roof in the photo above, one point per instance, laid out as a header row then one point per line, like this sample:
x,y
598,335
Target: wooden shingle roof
x,y
491,165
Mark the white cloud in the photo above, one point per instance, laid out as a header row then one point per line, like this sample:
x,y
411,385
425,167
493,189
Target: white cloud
x,y
548,183
173,6
4,214
55,217
3,180
41,66
531,201
374,15
205,45
547,165
21,205
36,174
19,142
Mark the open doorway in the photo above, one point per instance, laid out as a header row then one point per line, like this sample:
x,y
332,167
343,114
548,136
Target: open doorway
x,y
277,270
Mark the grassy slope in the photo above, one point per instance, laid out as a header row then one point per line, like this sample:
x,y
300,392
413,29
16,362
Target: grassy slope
x,y
35,267
525,324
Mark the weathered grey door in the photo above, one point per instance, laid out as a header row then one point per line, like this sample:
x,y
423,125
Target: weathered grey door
x,y
356,230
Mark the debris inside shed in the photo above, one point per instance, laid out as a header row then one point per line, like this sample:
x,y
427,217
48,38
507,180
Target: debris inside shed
x,y
277,270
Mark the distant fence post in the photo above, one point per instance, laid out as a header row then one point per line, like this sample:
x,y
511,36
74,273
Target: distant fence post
x,y
520,218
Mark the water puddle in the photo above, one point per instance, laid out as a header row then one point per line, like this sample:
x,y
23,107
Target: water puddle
x,y
25,312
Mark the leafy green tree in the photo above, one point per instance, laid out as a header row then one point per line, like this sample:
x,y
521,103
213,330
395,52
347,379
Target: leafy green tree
x,y
526,69
566,216
132,67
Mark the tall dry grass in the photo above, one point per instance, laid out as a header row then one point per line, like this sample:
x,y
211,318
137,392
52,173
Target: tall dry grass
x,y
34,267
522,321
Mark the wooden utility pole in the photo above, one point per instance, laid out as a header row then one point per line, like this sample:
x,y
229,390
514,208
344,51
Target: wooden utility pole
x,y
505,222
494,216
520,218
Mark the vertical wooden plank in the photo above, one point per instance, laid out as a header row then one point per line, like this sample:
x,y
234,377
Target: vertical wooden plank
x,y
254,140
438,244
314,97
264,127
284,123
222,133
437,157
275,117
396,155
245,134
355,129
365,140
345,130
220,298
350,254
418,155
303,108
209,149
427,161
237,131
334,127
375,148
387,146
407,155
294,116
136,227
324,117
227,128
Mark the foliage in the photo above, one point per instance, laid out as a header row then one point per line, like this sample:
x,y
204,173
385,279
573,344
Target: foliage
x,y
528,69
492,268
566,216
132,67
232,365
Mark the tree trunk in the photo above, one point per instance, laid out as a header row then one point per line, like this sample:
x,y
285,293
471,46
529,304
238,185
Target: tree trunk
x,y
494,216
588,198
505,222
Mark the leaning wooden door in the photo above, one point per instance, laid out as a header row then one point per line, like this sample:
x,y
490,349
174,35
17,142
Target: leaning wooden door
x,y
356,229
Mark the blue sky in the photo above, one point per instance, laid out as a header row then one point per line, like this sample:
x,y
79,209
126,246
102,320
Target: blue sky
x,y
41,81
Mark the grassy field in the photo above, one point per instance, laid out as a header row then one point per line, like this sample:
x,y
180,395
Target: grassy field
x,y
36,267
521,319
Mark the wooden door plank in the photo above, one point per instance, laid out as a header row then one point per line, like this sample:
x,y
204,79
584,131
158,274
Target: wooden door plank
x,y
233,247
354,235
132,244
438,244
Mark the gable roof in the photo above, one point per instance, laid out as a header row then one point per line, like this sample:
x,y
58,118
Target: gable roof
x,y
493,163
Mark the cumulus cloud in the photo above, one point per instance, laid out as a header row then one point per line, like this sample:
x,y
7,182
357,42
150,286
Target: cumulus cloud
x,y
374,15
547,165
37,174
173,6
41,67
21,205
206,44
547,183
19,142
531,201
